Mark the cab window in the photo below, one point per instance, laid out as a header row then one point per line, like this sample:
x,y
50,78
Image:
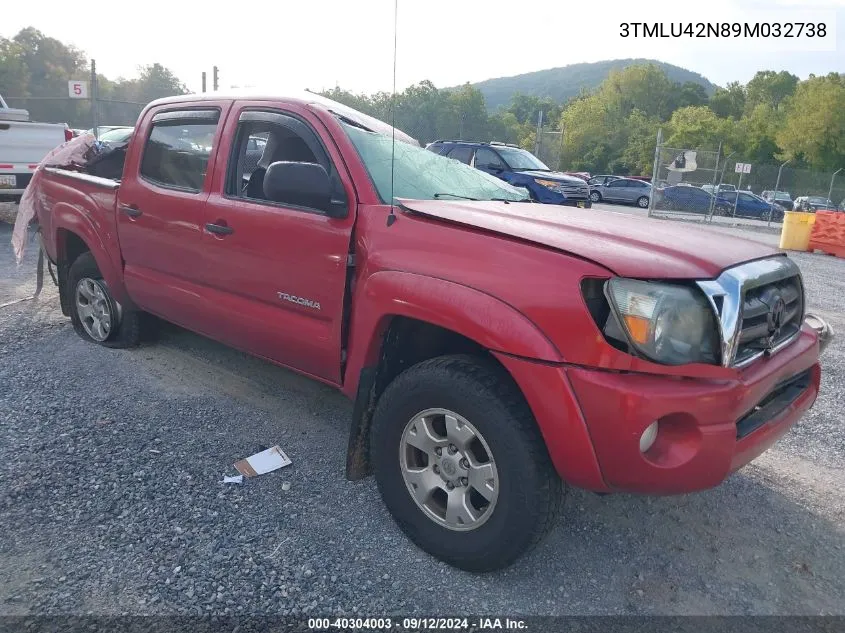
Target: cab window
x,y
178,149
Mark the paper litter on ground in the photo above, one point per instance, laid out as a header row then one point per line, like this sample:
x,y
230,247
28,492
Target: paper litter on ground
x,y
264,462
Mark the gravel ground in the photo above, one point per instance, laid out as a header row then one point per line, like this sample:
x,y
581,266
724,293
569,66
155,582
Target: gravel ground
x,y
110,496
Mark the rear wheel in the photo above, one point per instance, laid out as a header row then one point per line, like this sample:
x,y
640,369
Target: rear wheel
x,y
642,202
461,465
95,315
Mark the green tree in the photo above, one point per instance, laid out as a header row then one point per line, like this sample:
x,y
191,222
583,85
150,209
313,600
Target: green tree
x,y
814,128
729,101
769,88
14,73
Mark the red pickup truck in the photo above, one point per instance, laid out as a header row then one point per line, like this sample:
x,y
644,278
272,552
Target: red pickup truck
x,y
494,348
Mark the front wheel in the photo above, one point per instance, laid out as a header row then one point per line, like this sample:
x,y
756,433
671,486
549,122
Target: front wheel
x,y
461,465
595,196
642,202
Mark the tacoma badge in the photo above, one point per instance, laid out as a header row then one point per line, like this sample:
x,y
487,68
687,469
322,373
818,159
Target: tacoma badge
x,y
299,300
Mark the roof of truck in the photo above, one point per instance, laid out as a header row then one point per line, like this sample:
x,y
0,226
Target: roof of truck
x,y
304,97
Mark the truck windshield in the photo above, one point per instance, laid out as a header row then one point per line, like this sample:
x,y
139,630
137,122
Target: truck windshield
x,y
420,174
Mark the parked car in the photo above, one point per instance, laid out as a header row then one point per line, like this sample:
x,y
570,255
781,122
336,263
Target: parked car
x,y
116,135
718,188
684,198
781,197
602,179
622,190
23,143
492,347
104,129
747,205
813,203
519,168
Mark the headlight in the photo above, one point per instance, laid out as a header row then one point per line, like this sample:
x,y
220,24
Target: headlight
x,y
666,323
548,184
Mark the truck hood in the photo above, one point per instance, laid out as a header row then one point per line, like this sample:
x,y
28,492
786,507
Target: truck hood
x,y
627,245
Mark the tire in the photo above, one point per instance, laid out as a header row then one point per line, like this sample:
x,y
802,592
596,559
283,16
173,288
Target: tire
x,y
527,489
120,328
642,202
595,196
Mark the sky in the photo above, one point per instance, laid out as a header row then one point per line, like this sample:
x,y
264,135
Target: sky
x,y
317,44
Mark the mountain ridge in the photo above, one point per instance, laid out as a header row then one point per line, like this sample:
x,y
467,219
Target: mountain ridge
x,y
564,82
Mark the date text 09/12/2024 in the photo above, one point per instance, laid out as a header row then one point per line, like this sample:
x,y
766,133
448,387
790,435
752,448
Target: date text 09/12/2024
x,y
417,624
723,29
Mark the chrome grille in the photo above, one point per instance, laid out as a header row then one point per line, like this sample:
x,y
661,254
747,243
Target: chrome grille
x,y
760,306
574,191
758,332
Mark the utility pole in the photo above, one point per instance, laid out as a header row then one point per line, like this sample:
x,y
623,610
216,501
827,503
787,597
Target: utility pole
x,y
94,91
203,81
539,131
214,79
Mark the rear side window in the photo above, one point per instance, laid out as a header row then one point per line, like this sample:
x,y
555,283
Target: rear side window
x,y
461,153
178,149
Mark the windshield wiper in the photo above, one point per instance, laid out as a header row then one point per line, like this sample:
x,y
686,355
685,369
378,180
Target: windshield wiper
x,y
529,169
454,195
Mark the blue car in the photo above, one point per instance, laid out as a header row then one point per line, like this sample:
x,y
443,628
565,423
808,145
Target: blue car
x,y
684,198
519,168
747,206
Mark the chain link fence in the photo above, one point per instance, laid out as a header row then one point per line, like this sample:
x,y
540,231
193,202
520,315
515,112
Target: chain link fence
x,y
684,183
77,113
707,186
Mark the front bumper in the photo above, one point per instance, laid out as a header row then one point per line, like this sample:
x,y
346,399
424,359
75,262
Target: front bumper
x,y
699,442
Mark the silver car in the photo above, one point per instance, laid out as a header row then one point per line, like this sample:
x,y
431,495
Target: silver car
x,y
623,190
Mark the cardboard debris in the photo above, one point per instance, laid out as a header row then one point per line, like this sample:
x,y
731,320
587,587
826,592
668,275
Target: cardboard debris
x,y
264,462
237,479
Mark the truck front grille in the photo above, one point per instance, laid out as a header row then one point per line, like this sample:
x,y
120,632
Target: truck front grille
x,y
771,315
760,306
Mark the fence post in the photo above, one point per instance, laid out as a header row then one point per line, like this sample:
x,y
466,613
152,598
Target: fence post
x,y
655,170
94,106
777,186
709,217
539,132
832,178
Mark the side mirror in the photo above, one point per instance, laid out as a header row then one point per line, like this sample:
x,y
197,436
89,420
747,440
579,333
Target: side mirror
x,y
490,167
301,184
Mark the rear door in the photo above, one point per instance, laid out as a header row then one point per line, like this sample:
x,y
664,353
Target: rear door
x,y
278,271
616,190
161,208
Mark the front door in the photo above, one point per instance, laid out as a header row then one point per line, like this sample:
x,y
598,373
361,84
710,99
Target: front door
x,y
161,207
278,270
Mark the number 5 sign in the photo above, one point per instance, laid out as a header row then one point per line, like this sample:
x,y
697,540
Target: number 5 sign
x,y
77,89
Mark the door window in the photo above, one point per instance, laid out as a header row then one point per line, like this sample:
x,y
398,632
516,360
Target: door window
x,y
264,138
488,158
461,153
178,149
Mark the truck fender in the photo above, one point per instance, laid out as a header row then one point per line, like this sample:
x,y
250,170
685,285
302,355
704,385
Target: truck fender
x,y
474,314
70,218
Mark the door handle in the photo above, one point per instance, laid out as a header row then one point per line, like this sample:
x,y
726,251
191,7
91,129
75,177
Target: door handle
x,y
219,229
132,212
